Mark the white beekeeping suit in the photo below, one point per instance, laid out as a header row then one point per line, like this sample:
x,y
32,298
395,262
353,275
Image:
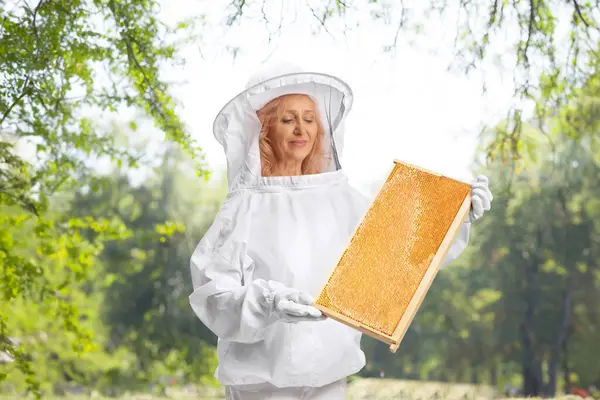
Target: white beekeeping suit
x,y
274,234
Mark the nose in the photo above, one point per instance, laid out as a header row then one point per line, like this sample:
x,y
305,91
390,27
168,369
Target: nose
x,y
298,129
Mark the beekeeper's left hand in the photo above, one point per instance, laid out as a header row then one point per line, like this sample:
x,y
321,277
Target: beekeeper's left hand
x,y
481,198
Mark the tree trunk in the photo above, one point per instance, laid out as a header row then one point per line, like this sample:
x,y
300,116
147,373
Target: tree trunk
x,y
474,376
567,306
531,367
560,339
493,375
443,377
566,369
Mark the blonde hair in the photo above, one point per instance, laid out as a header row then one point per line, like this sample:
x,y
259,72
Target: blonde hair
x,y
269,116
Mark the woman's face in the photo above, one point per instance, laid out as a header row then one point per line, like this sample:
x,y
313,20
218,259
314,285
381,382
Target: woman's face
x,y
293,135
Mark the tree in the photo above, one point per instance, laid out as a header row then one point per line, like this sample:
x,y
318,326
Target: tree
x,y
60,60
520,305
135,297
549,46
146,306
64,60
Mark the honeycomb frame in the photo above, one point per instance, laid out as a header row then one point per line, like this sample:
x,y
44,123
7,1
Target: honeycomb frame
x,y
390,322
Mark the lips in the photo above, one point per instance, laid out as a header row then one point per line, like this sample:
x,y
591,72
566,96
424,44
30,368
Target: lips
x,y
299,143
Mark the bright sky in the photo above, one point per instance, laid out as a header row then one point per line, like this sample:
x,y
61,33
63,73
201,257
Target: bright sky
x,y
407,106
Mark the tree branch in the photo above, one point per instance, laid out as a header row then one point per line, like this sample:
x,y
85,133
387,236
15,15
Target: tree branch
x,y
28,77
400,24
238,13
321,21
529,32
35,11
17,100
580,14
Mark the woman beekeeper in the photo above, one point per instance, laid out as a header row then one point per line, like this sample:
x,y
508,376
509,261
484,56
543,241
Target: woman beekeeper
x,y
288,216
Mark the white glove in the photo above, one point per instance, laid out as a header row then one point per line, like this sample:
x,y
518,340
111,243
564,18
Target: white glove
x,y
481,198
292,306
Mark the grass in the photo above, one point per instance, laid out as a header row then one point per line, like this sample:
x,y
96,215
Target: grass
x,y
388,389
359,389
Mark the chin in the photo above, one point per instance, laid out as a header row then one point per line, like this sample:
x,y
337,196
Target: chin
x,y
299,154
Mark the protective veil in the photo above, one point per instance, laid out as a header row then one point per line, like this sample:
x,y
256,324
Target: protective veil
x,y
279,232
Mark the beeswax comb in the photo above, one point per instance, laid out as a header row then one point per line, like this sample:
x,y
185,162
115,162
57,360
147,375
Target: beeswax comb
x,y
386,270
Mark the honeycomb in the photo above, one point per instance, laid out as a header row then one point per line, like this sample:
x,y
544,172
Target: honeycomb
x,y
392,248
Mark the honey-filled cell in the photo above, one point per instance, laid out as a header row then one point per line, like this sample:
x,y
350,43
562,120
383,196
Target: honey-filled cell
x,y
389,254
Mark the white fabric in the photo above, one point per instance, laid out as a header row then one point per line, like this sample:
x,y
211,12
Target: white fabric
x,y
481,198
274,231
333,391
293,306
237,127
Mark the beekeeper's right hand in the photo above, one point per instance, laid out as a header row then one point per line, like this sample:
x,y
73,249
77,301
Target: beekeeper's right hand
x,y
292,306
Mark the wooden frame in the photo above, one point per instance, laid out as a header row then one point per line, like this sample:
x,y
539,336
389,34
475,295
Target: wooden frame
x,y
423,287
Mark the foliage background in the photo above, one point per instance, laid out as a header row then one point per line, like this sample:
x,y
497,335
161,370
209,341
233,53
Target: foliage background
x,y
94,262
